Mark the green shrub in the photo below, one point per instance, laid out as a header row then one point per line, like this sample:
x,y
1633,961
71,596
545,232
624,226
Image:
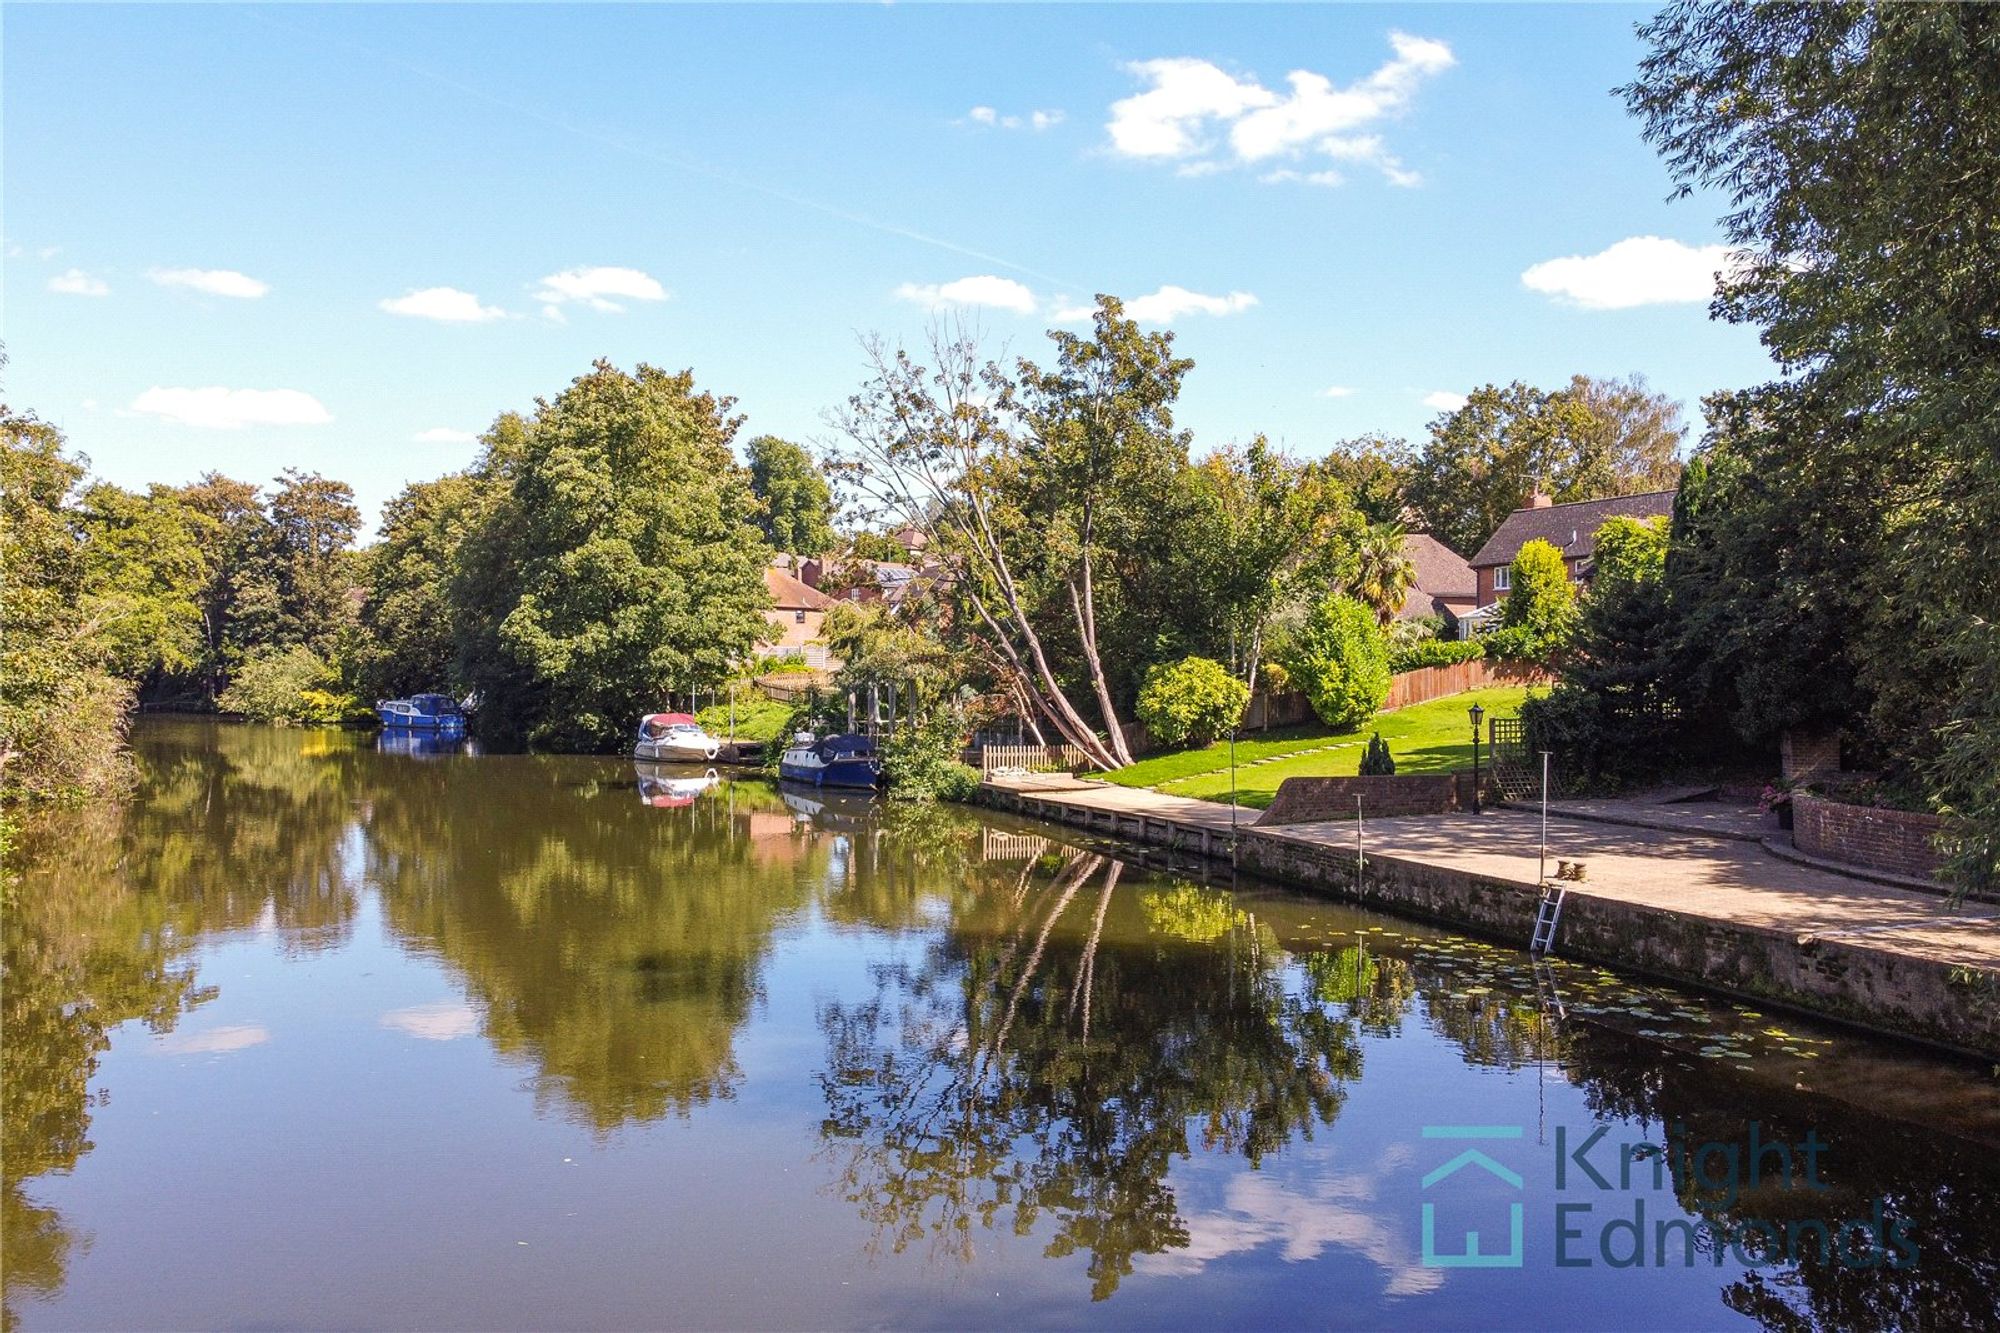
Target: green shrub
x,y
1434,652
1540,595
921,760
1521,642
286,685
1341,662
1376,761
1191,702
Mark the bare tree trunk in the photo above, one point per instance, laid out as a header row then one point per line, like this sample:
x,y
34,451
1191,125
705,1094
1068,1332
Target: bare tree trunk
x,y
1086,623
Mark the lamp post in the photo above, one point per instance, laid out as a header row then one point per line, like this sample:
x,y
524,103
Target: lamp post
x,y
1477,714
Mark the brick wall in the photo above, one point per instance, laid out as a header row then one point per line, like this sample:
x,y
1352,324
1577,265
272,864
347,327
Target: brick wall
x,y
1804,754
1427,683
1305,800
1899,841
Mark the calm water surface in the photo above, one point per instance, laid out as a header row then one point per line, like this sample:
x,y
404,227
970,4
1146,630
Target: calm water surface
x,y
318,1034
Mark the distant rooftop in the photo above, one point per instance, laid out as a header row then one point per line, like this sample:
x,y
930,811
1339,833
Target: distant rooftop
x,y
1570,527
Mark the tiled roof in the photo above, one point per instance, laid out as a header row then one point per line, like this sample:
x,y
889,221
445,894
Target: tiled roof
x,y
1570,528
788,594
1442,575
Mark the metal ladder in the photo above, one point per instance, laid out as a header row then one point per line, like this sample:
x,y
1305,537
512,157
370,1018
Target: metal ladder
x,y
1547,915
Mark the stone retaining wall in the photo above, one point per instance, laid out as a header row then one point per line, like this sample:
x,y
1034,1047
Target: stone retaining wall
x,y
1878,989
1306,800
1899,841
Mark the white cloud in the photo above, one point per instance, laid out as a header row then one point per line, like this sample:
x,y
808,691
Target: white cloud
x,y
1640,270
1167,119
1034,120
447,305
595,287
213,281
1171,302
1285,175
1444,401
215,1041
1336,391
1259,1213
446,1021
75,282
444,435
1190,101
983,290
231,409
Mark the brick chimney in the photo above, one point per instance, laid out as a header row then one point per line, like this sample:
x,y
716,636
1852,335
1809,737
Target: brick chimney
x,y
1539,500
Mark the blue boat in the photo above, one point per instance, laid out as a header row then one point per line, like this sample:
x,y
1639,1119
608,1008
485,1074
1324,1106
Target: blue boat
x,y
837,761
422,712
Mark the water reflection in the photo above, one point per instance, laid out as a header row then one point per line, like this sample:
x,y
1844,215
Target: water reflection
x,y
1056,1053
946,1029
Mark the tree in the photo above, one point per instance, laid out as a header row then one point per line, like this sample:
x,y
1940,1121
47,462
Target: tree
x,y
1375,469
1540,596
1628,551
146,565
241,603
407,644
62,714
1191,702
1629,438
1039,490
315,523
1340,660
1856,142
1383,571
1593,438
1252,530
797,501
612,562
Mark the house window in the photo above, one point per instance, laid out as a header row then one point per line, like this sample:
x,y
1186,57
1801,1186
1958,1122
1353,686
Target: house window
x,y
1501,576
798,617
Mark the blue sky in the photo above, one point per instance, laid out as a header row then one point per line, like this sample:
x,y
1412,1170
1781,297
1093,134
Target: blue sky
x,y
346,238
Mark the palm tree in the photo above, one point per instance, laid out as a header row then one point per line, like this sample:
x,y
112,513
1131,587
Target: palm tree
x,y
1383,571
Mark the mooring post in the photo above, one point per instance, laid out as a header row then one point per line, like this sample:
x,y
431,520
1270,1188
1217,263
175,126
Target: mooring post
x,y
1359,860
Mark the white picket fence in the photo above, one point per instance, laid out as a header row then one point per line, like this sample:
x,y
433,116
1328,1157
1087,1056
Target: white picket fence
x,y
1031,758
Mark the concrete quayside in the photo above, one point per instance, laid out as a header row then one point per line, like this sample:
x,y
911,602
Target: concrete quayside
x,y
1692,897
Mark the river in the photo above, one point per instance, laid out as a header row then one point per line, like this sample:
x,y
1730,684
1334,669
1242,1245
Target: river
x,y
315,1033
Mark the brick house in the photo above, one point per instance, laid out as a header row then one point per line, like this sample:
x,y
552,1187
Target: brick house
x,y
1571,528
1444,586
797,613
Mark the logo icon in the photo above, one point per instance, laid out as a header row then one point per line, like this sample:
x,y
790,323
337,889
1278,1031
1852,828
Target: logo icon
x,y
1472,1256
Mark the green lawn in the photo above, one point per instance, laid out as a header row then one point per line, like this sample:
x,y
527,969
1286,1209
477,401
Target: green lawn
x,y
757,718
1427,738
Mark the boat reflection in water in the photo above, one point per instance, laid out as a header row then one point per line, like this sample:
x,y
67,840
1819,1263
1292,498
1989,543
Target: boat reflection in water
x,y
669,786
424,743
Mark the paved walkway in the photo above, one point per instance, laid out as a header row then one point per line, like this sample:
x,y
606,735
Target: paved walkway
x,y
1713,819
1062,789
1708,871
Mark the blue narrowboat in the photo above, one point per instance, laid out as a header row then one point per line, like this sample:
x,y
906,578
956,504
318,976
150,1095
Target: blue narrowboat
x,y
422,712
838,761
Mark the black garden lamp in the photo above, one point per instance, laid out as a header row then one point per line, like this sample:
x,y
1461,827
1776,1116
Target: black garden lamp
x,y
1478,715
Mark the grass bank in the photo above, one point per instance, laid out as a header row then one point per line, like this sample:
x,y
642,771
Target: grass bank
x,y
1434,737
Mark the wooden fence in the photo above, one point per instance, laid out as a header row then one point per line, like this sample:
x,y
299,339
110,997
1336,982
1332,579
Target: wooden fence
x,y
1428,683
1032,758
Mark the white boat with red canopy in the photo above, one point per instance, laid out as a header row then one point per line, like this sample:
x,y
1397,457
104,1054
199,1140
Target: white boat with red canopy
x,y
674,738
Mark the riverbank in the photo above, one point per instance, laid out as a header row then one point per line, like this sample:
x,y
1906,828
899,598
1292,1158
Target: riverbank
x,y
1720,913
